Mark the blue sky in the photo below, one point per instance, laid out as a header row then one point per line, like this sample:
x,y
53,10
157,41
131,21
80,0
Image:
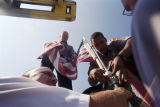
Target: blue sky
x,y
22,39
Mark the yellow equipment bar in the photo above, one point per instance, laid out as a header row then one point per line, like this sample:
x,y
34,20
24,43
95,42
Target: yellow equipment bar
x,y
58,9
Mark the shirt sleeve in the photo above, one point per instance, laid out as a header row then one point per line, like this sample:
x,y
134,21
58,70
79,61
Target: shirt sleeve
x,y
118,45
21,92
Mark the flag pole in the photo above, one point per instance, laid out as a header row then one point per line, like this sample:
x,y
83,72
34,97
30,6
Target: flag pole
x,y
94,54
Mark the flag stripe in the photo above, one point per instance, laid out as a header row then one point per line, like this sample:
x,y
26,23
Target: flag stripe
x,y
83,54
67,69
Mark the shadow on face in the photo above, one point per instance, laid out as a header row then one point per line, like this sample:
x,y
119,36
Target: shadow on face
x,y
43,75
100,44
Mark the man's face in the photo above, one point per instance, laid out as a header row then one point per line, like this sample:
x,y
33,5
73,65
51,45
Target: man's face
x,y
47,78
100,44
64,36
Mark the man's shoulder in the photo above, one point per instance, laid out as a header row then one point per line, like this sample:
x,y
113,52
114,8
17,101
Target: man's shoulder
x,y
70,47
118,41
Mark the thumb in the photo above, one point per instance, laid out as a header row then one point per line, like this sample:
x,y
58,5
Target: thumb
x,y
114,70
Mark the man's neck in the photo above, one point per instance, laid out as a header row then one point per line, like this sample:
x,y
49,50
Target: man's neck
x,y
106,52
64,42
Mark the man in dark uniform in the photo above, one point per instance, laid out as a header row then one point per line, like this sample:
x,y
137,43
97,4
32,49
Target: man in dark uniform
x,y
118,49
107,52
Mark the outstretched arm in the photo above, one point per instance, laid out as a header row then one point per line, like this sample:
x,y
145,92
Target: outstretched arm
x,y
117,64
110,98
127,50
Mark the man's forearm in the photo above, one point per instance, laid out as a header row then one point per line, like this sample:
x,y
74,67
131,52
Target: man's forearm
x,y
127,50
110,98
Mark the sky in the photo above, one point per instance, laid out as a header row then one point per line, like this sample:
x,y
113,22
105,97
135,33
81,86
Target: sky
x,y
22,39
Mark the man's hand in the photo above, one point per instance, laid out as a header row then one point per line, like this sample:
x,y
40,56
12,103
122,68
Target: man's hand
x,y
118,65
97,75
110,98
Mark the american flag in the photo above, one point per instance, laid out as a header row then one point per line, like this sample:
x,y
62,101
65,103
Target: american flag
x,y
53,51
83,54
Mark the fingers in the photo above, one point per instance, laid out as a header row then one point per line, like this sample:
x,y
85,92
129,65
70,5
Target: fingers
x,y
101,78
114,69
120,76
125,75
117,64
98,75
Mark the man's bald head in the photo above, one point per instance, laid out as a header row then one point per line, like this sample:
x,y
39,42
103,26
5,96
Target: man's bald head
x,y
64,36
